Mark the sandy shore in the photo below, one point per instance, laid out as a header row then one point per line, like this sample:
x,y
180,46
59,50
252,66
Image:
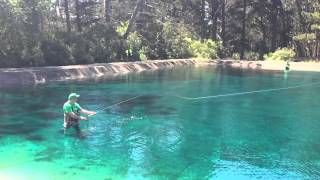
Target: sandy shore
x,y
39,75
269,65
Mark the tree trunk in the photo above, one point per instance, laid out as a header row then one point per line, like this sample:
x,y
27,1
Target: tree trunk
x,y
214,17
202,22
309,50
303,24
263,47
317,44
108,10
317,47
300,51
78,18
66,11
36,20
243,31
139,6
285,29
274,22
223,22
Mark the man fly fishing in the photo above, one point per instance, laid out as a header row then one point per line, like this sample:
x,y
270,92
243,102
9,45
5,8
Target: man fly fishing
x,y
72,113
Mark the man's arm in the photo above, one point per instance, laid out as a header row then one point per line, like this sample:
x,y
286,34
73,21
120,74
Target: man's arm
x,y
90,113
74,116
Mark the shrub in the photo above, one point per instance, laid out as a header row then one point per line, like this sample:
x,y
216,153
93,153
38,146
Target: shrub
x,y
56,52
82,50
134,43
104,42
305,37
315,27
32,56
179,42
122,28
284,54
207,49
142,54
175,37
250,55
236,56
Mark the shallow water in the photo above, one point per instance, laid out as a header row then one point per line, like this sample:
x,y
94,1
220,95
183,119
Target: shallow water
x,y
267,135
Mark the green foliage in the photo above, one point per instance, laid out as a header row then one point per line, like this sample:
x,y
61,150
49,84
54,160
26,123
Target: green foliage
x,y
82,51
250,55
315,27
305,37
176,40
134,43
179,43
236,56
35,33
104,42
56,52
307,43
32,56
314,16
142,54
122,28
207,49
284,54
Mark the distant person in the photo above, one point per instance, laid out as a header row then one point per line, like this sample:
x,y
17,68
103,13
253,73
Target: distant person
x,y
287,66
286,70
72,113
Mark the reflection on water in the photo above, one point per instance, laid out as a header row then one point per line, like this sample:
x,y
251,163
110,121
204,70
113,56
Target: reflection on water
x,y
271,135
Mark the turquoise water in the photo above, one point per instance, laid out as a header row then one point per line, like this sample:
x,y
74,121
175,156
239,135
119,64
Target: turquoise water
x,y
264,135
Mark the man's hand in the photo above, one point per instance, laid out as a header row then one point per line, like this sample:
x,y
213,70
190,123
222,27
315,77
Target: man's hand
x,y
89,113
92,113
83,118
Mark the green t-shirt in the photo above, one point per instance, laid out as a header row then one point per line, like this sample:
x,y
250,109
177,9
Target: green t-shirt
x,y
68,108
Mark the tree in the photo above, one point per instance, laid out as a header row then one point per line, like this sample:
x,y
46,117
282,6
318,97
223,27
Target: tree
x,y
67,14
223,22
307,42
139,6
274,21
107,10
86,31
214,15
78,16
202,19
243,30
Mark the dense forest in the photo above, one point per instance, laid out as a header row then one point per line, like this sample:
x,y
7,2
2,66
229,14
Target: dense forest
x,y
63,32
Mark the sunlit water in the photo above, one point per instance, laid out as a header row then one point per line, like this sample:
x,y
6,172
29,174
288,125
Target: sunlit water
x,y
267,135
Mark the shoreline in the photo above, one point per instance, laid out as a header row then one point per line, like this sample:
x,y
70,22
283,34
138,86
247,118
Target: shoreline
x,y
271,65
42,75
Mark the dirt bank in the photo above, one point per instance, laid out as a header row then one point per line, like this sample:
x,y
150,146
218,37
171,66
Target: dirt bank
x,y
17,76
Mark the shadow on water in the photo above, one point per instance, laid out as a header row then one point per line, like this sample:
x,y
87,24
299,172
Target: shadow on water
x,y
48,116
27,124
25,129
35,138
48,154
